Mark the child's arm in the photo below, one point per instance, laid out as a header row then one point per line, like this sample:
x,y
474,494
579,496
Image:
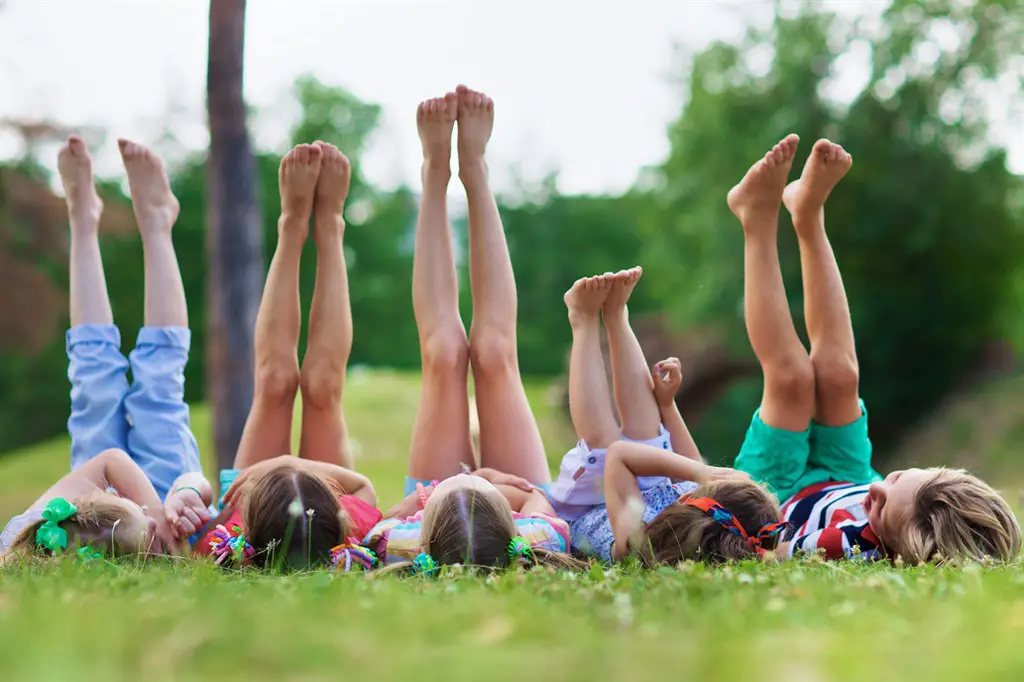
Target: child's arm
x,y
349,481
667,376
627,461
534,502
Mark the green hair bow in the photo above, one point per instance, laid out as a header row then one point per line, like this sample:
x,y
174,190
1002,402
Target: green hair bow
x,y
50,535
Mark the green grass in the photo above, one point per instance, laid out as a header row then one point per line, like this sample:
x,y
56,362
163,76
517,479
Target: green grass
x,y
804,621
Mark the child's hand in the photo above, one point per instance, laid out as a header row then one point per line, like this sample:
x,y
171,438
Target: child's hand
x,y
185,512
726,474
500,478
667,376
234,494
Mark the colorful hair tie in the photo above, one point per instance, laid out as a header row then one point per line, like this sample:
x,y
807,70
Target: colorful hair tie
x,y
50,535
424,564
350,552
729,522
226,544
519,547
86,554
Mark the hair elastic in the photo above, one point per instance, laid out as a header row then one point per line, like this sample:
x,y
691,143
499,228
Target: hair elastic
x,y
728,521
519,547
226,544
351,552
424,564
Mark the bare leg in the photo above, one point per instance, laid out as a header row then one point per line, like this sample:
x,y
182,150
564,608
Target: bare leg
x,y
156,209
631,377
440,439
788,400
833,352
324,435
589,398
89,301
509,438
268,430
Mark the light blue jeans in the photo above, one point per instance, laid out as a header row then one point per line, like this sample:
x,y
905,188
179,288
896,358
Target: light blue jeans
x,y
147,419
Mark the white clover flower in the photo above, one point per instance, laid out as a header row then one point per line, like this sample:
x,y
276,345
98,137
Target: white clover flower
x,y
295,509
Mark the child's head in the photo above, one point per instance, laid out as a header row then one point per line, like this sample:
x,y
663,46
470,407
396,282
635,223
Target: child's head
x,y
690,528
941,514
294,516
106,523
468,521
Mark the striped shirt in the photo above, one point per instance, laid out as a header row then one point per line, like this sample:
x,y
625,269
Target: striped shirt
x,y
829,518
396,540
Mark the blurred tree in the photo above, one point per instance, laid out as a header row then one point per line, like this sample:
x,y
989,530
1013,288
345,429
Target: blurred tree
x,y
923,227
234,237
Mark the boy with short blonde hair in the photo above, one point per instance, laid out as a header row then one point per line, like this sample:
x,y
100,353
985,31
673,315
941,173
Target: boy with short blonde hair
x,y
809,438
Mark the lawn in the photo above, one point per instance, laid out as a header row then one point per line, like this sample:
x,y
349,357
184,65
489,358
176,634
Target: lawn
x,y
804,621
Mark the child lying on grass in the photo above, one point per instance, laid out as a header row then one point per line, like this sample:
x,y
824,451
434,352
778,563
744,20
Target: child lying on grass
x,y
809,439
135,485
623,488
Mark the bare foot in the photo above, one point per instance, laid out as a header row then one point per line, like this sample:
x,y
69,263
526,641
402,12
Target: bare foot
x,y
297,180
623,283
435,120
758,196
155,207
586,297
476,120
75,166
331,185
825,167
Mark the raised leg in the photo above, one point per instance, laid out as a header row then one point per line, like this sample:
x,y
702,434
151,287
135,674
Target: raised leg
x,y
509,438
440,441
833,352
268,429
631,377
324,435
788,400
160,439
589,398
96,366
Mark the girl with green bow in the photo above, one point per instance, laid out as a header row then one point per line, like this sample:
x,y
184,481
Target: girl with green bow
x,y
135,485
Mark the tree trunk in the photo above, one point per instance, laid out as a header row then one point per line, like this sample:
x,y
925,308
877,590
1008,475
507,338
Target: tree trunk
x,y
234,238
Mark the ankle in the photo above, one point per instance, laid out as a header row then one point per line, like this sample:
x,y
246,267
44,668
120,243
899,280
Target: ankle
x,y
473,172
583,322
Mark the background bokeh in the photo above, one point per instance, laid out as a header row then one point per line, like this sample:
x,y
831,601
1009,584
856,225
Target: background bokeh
x,y
620,129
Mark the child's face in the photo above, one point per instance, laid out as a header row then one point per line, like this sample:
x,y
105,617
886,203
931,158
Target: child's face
x,y
890,503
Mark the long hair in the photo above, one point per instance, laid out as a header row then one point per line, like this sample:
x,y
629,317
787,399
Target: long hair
x,y
682,532
292,517
473,529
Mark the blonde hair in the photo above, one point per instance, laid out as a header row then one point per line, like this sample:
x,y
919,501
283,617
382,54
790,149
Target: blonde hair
x,y
958,517
473,529
293,516
92,525
682,532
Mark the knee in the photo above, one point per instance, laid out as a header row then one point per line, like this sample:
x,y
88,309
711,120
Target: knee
x,y
445,352
322,384
836,374
792,381
491,353
277,383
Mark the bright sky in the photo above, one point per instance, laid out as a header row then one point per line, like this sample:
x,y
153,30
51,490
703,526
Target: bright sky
x,y
583,87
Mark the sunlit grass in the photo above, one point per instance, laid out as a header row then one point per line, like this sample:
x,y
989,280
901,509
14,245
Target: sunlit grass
x,y
804,622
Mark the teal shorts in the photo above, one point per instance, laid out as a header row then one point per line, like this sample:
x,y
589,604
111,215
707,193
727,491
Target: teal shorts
x,y
789,461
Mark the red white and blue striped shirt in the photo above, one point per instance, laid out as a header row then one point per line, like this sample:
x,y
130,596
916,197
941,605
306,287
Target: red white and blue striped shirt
x,y
830,518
